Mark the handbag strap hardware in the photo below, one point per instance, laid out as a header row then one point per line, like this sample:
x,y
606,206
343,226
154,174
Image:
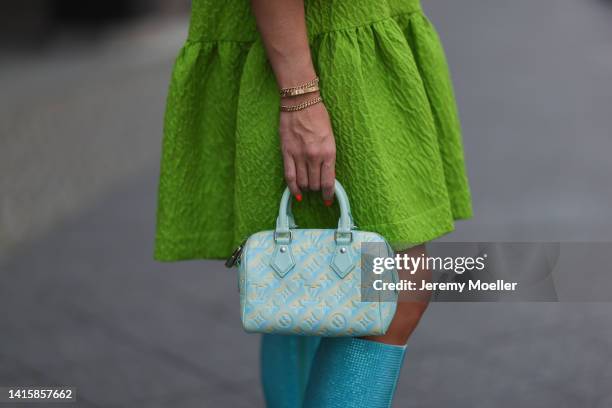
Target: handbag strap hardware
x,y
283,237
343,237
343,260
282,260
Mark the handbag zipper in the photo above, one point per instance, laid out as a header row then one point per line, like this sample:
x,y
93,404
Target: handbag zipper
x,y
235,256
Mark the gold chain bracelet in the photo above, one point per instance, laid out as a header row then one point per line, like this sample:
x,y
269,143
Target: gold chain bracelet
x,y
306,87
301,106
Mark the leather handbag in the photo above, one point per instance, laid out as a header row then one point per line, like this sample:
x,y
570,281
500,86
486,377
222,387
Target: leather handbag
x,y
309,281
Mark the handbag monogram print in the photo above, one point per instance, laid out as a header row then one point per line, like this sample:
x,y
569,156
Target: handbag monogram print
x,y
308,281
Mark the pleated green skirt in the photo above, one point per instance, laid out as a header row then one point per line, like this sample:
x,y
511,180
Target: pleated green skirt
x,y
386,85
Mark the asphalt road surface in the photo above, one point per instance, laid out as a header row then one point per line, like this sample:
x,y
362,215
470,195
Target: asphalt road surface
x,y
83,304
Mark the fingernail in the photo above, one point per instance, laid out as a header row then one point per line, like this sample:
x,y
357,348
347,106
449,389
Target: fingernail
x,y
328,202
298,197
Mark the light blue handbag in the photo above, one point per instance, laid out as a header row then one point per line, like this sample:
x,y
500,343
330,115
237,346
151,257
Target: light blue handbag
x,y
308,281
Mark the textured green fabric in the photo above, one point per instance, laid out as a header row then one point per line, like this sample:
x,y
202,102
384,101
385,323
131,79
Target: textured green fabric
x,y
385,83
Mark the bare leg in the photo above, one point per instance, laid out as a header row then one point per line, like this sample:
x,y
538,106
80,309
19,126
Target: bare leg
x,y
410,306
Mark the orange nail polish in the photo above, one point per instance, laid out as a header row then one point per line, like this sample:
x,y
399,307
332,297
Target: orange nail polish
x,y
328,202
298,197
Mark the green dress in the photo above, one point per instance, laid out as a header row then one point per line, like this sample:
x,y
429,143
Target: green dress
x,y
385,83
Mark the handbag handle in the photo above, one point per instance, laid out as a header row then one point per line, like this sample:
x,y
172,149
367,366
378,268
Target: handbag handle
x,y
292,223
285,219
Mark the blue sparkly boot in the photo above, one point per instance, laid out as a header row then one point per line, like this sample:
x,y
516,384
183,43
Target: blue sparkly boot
x,y
285,365
353,373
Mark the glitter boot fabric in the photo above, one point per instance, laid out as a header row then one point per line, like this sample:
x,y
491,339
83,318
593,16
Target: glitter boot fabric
x,y
285,365
353,373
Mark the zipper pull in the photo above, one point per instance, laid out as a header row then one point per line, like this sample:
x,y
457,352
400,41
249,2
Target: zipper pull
x,y
234,258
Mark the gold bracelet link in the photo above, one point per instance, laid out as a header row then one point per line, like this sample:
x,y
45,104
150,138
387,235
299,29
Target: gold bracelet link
x,y
307,87
301,106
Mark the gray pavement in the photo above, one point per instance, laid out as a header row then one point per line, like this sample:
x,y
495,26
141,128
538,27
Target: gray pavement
x,y
83,304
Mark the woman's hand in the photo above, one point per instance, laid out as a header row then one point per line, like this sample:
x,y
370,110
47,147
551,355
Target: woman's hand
x,y
309,149
307,141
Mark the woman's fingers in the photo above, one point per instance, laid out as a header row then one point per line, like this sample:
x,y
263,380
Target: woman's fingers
x,y
291,177
301,172
309,150
314,171
328,178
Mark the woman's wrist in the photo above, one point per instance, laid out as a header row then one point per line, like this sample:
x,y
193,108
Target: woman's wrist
x,y
300,96
301,106
294,71
295,100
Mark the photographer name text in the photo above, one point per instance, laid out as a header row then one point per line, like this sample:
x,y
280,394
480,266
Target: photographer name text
x,y
476,285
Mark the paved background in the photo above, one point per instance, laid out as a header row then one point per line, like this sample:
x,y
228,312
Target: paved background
x,y
83,304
